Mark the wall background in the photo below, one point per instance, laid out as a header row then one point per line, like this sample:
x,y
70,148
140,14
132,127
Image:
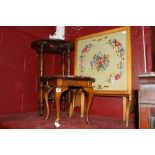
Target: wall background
x,y
19,66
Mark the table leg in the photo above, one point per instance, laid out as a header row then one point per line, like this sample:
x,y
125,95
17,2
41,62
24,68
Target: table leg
x,y
71,107
128,110
41,99
41,68
124,108
58,92
46,94
82,101
89,90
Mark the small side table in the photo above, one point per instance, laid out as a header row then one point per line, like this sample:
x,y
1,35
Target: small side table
x,y
61,84
51,46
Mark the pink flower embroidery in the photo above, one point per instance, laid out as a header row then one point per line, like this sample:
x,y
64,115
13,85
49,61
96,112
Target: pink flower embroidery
x,y
117,76
117,44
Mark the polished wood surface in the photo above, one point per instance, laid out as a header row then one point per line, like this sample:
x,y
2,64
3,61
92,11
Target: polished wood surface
x,y
60,84
51,46
78,101
146,99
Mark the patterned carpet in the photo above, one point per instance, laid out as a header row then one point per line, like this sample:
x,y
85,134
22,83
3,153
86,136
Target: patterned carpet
x,y
32,120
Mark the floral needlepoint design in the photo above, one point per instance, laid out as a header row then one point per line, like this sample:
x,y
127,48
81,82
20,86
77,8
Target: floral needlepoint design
x,y
84,51
99,86
86,48
120,52
106,57
117,76
115,44
100,61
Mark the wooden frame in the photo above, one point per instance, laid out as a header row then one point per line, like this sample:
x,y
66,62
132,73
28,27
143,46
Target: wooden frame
x,y
106,56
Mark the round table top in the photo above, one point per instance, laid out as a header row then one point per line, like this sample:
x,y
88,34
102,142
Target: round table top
x,y
51,45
